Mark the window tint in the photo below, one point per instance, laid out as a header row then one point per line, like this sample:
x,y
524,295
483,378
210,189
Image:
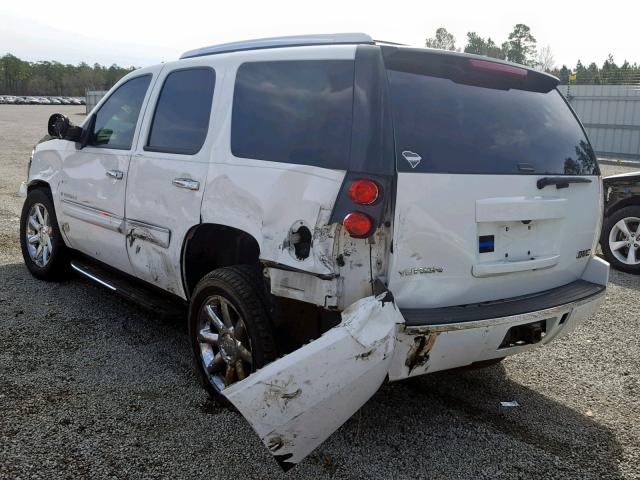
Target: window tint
x,y
294,112
181,120
459,128
117,118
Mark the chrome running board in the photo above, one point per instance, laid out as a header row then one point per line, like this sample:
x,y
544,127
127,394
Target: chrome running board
x,y
146,296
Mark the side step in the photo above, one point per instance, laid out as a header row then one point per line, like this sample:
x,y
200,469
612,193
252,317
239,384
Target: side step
x,y
146,296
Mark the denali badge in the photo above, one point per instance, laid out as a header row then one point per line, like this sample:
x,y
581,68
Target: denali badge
x,y
583,253
420,270
412,157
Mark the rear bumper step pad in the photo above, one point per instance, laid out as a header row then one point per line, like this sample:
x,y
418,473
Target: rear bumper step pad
x,y
572,292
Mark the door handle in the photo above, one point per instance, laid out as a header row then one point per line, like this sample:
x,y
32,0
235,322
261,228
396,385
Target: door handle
x,y
116,174
186,183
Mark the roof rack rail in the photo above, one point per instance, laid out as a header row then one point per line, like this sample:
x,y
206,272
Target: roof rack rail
x,y
278,42
386,42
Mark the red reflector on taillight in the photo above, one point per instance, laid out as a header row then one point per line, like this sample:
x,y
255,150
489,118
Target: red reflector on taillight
x,y
497,67
364,192
358,224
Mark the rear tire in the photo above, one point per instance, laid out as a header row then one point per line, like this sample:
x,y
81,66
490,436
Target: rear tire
x,y
43,249
230,329
620,239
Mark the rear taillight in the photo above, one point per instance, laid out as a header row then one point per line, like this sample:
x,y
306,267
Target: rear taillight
x,y
364,192
358,224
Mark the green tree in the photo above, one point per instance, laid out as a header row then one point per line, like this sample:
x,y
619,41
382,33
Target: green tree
x,y
18,77
14,73
611,72
443,40
593,74
521,46
478,45
563,74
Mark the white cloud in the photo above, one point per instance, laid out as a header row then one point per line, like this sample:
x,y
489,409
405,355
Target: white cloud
x,y
141,33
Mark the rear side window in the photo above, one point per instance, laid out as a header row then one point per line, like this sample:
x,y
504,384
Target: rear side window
x,y
447,126
117,118
294,112
181,120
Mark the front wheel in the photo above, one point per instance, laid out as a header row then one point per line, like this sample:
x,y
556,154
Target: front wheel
x,y
621,239
229,327
43,249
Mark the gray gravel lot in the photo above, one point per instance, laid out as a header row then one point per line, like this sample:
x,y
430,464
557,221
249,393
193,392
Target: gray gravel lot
x,y
94,387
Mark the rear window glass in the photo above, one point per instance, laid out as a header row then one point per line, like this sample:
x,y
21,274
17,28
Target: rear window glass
x,y
447,127
181,120
294,112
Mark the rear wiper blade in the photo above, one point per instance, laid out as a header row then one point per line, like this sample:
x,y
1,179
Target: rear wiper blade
x,y
560,182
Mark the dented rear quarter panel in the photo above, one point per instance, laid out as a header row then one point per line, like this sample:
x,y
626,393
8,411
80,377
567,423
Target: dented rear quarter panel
x,y
266,198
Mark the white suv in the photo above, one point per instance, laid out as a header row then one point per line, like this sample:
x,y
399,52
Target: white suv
x,y
335,212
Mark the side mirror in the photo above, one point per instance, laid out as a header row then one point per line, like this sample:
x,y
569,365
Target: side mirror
x,y
58,125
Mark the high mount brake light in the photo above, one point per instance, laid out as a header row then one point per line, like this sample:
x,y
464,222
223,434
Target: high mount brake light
x,y
364,192
358,224
497,68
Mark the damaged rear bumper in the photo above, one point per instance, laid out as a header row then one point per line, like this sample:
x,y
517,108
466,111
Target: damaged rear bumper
x,y
431,348
438,339
299,400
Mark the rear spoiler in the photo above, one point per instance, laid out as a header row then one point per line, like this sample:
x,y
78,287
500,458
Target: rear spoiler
x,y
467,69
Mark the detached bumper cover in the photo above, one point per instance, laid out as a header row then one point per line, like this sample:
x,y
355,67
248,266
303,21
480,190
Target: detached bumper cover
x,y
296,402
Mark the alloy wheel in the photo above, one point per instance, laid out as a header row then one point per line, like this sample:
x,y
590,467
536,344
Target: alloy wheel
x,y
225,347
38,235
624,240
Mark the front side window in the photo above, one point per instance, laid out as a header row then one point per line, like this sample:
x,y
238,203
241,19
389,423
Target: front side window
x,y
117,118
294,112
181,120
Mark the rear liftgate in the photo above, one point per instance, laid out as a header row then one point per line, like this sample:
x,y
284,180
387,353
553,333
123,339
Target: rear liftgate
x,y
298,401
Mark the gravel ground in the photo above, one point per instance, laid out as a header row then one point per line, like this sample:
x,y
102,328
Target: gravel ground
x,y
94,387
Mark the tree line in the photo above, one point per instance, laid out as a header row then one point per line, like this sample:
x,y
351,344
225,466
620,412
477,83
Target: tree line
x,y
19,77
521,47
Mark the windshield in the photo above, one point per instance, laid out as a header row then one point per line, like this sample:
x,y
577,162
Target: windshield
x,y
447,126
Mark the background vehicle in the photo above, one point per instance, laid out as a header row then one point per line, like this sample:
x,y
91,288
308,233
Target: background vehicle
x,y
620,240
326,200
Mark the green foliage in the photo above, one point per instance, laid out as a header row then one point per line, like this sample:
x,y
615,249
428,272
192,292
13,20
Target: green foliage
x,y
478,45
521,46
608,74
19,77
443,40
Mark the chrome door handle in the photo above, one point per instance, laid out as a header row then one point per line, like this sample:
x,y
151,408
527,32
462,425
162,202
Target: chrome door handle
x,y
186,183
117,174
